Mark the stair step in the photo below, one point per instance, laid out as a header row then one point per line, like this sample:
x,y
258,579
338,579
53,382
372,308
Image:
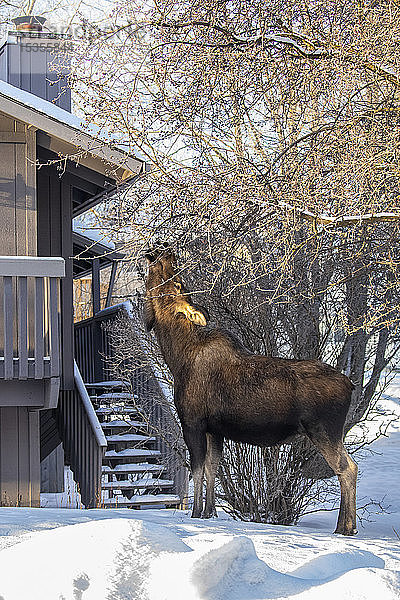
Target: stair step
x,y
130,437
132,452
114,404
133,468
114,396
106,384
140,483
118,410
118,423
141,500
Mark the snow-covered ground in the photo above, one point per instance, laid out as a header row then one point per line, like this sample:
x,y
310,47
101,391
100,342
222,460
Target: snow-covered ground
x,y
73,554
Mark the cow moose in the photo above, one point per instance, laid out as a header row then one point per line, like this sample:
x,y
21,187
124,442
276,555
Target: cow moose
x,y
223,391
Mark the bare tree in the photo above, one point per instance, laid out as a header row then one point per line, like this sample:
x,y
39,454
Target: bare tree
x,y
272,132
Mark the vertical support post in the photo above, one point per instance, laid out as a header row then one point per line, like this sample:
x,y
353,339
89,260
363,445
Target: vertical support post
x,y
111,284
23,327
34,457
98,351
54,330
39,339
97,338
96,285
8,328
67,322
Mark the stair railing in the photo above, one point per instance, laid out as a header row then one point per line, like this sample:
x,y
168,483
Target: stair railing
x,y
92,345
83,439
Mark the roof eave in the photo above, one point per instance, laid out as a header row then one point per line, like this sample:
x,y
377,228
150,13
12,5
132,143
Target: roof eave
x,y
74,144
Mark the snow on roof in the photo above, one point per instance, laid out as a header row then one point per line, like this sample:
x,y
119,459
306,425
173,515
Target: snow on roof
x,y
64,125
95,234
44,106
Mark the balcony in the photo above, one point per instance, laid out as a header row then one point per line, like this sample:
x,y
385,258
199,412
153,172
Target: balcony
x,y
29,328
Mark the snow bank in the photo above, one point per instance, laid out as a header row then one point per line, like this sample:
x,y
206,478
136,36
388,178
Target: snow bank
x,y
89,561
234,572
140,559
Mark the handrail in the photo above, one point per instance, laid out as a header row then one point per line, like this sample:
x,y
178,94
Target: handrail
x,y
104,312
93,420
32,266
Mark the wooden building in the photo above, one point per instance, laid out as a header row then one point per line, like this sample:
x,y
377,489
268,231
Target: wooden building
x,y
50,171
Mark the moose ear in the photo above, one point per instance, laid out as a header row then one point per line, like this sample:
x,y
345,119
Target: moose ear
x,y
197,318
192,314
149,315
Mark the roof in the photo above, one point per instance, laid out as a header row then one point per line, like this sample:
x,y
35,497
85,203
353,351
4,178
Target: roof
x,y
67,133
85,249
92,234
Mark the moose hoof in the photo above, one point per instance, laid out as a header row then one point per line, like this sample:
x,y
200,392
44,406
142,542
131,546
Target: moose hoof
x,y
209,515
352,531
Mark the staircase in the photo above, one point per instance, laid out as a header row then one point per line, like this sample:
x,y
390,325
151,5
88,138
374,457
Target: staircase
x,y
132,475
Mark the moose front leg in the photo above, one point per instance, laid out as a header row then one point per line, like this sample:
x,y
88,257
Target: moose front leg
x,y
213,457
196,442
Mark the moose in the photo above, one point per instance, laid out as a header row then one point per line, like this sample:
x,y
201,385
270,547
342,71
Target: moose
x,y
223,391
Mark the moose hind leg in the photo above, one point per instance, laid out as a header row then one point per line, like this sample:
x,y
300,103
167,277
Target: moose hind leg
x,y
347,521
213,457
346,470
195,440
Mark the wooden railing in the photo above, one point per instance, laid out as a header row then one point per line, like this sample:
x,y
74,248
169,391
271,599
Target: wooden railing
x,y
83,440
92,344
29,317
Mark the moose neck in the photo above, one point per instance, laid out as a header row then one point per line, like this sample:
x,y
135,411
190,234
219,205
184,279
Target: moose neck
x,y
178,340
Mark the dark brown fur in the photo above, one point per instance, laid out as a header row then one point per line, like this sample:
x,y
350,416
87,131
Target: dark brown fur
x,y
223,391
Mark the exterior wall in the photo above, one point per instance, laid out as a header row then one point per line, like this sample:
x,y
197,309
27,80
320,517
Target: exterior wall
x,y
19,457
55,239
18,229
18,208
19,421
57,197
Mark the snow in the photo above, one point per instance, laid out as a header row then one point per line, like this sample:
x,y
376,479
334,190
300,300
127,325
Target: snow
x,y
117,423
132,452
138,483
104,410
43,106
133,468
129,437
115,396
122,554
94,234
325,219
70,498
105,384
54,112
165,555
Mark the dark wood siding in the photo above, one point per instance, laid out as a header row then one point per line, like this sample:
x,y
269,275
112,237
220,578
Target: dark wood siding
x,y
17,188
56,190
55,239
19,458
